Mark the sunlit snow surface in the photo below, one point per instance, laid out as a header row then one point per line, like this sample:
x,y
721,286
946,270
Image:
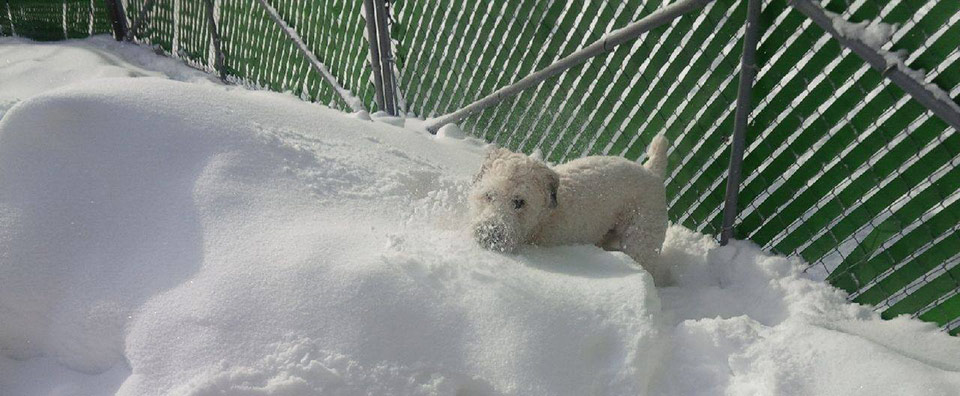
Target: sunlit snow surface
x,y
185,238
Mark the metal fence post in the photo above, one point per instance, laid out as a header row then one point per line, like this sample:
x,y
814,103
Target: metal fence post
x,y
7,15
748,70
381,56
215,38
373,39
117,18
386,57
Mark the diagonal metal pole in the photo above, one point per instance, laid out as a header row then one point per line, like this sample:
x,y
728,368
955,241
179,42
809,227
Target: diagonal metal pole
x,y
13,29
142,17
373,39
352,101
748,71
606,44
215,38
938,102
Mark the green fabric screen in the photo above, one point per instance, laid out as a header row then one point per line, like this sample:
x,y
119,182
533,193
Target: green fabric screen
x,y
841,169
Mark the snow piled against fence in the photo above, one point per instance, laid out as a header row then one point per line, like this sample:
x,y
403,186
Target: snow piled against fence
x,y
28,68
164,237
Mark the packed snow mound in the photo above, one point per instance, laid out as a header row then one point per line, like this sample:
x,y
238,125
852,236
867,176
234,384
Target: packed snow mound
x,y
744,322
29,68
248,242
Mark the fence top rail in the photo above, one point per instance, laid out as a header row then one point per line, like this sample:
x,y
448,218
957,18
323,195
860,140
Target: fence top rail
x,y
893,68
604,45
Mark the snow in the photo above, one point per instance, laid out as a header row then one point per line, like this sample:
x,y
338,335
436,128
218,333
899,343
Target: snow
x,y
187,238
29,68
746,323
451,131
384,117
873,33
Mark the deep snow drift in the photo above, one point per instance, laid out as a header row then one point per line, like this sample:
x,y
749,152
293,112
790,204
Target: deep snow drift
x,y
28,68
161,237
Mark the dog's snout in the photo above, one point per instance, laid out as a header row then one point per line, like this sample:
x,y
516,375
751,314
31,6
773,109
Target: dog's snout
x,y
491,236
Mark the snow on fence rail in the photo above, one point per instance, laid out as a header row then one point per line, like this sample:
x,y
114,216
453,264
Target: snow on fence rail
x,y
841,167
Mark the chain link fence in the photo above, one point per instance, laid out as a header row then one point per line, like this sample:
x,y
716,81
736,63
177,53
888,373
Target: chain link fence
x,y
842,168
256,51
846,171
48,20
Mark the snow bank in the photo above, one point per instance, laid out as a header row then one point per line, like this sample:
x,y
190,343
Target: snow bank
x,y
748,323
232,241
29,68
161,237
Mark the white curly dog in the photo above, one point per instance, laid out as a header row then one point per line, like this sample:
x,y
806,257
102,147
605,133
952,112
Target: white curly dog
x,y
611,202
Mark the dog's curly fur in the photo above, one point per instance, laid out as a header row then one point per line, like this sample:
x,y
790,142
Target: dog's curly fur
x,y
607,201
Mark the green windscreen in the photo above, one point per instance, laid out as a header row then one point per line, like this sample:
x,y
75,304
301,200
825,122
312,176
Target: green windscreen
x,y
48,20
256,51
842,168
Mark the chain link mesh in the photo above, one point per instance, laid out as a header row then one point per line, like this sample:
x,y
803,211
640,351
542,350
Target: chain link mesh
x,y
842,168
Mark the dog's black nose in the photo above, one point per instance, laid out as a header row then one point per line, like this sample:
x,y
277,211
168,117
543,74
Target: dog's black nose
x,y
491,236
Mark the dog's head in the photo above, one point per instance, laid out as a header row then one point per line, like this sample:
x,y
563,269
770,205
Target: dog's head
x,y
512,194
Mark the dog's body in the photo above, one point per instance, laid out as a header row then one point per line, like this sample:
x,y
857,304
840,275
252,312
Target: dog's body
x,y
610,202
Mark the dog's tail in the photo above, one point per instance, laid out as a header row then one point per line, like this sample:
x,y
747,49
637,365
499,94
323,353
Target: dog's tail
x,y
657,155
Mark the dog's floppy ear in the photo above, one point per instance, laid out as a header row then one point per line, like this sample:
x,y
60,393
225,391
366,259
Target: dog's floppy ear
x,y
492,155
553,185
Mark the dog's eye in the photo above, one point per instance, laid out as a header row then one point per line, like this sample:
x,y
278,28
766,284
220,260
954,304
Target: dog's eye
x,y
488,196
518,203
